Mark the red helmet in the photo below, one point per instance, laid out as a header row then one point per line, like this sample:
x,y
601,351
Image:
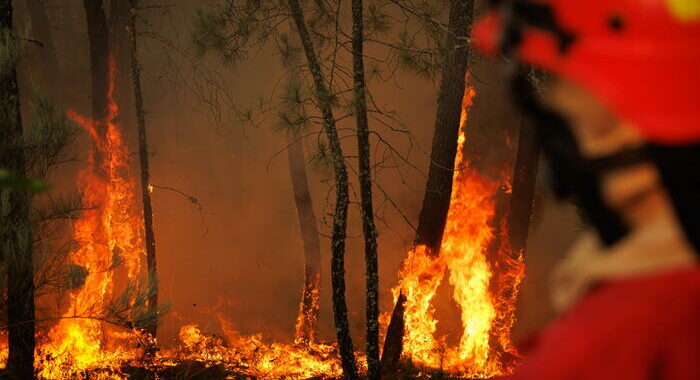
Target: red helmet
x,y
640,57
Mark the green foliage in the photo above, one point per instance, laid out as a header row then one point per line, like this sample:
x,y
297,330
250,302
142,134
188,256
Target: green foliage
x,y
10,180
48,136
9,52
290,53
411,58
376,21
230,28
321,158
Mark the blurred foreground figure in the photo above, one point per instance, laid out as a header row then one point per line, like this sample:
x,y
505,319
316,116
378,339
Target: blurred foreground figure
x,y
620,125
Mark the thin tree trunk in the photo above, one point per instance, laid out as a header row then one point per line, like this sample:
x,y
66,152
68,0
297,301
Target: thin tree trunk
x,y
120,51
98,37
145,171
307,320
524,183
15,231
436,201
41,31
365,177
323,99
117,23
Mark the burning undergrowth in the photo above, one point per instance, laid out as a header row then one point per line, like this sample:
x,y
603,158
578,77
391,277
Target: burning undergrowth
x,y
101,331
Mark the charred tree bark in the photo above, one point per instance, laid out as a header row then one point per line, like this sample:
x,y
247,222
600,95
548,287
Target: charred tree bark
x,y
436,201
307,320
15,230
145,171
41,31
98,38
365,177
392,352
524,183
323,98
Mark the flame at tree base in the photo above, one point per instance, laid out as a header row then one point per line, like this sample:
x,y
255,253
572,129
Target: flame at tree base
x,y
109,244
486,318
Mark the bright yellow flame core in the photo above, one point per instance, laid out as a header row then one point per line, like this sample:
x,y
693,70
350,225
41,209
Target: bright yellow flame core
x,y
108,236
467,236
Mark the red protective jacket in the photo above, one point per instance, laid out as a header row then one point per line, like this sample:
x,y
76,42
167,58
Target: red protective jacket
x,y
642,328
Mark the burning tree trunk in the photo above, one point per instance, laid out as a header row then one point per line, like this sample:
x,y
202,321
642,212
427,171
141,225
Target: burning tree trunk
x,y
436,201
307,320
41,31
368,228
150,240
15,232
323,97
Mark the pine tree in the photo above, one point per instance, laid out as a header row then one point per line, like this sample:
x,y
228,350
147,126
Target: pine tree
x,y
365,173
323,99
149,234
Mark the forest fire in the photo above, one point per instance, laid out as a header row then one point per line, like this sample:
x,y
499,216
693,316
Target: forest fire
x,y
109,244
96,314
108,239
468,233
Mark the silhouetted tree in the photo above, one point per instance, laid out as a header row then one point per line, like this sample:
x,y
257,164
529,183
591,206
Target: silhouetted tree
x,y
98,38
41,31
15,231
144,164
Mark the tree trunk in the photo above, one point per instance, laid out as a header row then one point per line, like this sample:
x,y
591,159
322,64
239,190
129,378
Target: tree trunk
x,y
41,31
15,231
307,320
436,201
524,183
120,51
392,352
323,99
118,23
511,224
98,37
365,177
145,171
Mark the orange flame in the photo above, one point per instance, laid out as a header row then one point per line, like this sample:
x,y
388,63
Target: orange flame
x,y
107,236
467,236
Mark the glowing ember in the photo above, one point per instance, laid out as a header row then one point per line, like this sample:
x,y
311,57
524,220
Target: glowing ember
x,y
463,252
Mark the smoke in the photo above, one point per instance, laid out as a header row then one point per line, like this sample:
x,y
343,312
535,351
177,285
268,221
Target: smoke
x,y
237,250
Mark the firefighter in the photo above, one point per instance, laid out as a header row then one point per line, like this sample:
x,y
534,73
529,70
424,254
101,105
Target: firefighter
x,y
619,124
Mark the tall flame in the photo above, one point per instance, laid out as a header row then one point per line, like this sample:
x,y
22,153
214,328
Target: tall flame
x,y
107,236
466,237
